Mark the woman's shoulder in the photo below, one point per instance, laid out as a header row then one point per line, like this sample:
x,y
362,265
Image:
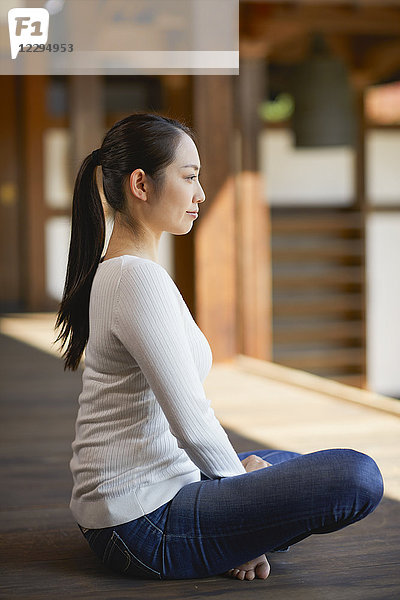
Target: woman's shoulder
x,y
145,267
138,276
136,273
134,270
130,260
127,263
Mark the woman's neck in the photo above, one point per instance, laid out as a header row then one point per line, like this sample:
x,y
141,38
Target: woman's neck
x,y
122,242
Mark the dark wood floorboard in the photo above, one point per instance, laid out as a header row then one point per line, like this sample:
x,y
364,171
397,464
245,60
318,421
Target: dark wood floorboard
x,y
43,555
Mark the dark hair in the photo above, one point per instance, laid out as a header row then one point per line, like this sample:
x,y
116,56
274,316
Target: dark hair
x,y
142,140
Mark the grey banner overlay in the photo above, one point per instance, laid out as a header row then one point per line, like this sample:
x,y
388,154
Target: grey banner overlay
x,y
143,37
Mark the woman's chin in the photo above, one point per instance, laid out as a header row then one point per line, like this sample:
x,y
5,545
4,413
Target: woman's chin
x,y
181,230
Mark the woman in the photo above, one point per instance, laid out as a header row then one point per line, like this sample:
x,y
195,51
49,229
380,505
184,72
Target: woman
x,y
159,491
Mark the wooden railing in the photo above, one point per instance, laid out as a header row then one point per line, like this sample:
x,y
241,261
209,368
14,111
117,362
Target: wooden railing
x,y
318,260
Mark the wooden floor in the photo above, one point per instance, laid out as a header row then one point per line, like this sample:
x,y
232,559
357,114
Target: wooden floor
x,y
43,555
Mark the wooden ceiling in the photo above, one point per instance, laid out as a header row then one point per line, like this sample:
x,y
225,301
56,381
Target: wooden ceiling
x,y
365,34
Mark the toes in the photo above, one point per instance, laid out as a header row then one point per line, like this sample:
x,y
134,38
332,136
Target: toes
x,y
235,572
250,575
263,570
256,568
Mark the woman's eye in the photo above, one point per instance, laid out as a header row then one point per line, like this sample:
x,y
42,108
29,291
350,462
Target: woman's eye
x,y
192,177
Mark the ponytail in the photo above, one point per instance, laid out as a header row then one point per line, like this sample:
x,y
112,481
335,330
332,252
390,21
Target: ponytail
x,y
86,247
143,141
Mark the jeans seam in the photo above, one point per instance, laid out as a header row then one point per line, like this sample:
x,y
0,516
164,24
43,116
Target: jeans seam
x,y
93,535
130,554
113,543
108,548
164,544
144,565
153,524
247,531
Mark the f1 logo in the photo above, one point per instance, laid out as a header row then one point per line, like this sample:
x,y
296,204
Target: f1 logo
x,y
27,25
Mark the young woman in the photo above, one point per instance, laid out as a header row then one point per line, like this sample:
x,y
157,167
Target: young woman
x,y
159,491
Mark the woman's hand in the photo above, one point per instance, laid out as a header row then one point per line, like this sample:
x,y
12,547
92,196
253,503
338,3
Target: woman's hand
x,y
254,463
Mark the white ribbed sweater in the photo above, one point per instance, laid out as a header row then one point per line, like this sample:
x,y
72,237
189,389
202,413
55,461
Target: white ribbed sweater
x,y
145,427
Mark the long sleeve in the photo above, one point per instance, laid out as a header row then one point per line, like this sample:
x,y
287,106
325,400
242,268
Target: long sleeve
x,y
149,323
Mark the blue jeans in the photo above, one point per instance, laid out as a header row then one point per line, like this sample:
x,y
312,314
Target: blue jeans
x,y
213,525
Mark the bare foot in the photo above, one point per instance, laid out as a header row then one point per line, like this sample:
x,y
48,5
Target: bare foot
x,y
258,567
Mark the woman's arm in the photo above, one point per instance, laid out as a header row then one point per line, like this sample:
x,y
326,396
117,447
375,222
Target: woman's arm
x,y
149,323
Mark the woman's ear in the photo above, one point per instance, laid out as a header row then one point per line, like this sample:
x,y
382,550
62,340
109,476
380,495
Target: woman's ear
x,y
138,184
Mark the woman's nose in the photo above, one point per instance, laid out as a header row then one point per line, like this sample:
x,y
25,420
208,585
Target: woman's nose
x,y
200,197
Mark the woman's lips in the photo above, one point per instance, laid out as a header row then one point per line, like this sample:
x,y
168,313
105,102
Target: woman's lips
x,y
193,213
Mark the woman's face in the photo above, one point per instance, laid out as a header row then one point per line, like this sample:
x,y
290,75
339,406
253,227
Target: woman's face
x,y
175,208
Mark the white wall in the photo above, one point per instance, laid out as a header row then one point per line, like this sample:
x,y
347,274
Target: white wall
x,y
304,176
383,257
383,298
57,234
383,167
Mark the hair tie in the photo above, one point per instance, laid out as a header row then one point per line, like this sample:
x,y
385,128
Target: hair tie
x,y
95,157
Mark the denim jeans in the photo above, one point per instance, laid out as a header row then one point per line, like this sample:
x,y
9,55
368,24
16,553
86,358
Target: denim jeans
x,y
213,525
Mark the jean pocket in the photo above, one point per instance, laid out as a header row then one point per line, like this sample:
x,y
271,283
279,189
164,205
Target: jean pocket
x,y
119,558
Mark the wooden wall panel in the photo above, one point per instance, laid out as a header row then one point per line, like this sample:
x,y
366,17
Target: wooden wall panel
x,y
9,198
32,92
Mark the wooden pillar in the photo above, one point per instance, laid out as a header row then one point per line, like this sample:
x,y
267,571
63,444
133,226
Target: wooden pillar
x,y
215,251
253,232
361,205
177,93
10,293
32,94
87,115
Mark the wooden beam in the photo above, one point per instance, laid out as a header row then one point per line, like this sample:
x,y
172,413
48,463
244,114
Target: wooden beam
x,y
33,118
87,115
361,205
274,22
253,225
353,20
215,249
381,60
350,3
177,94
10,195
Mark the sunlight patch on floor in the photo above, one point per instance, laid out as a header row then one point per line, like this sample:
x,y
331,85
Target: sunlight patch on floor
x,y
35,329
287,417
